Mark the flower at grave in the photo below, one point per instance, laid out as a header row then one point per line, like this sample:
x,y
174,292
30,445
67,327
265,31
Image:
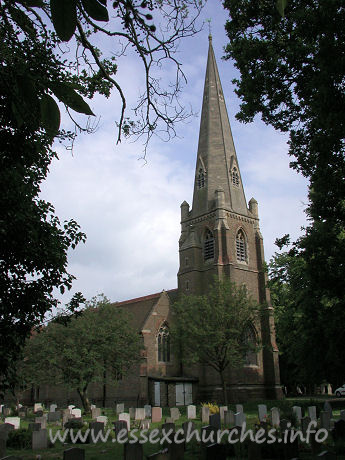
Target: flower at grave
x,y
214,409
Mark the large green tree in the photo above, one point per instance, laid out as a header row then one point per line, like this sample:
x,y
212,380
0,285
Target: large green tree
x,y
212,329
292,74
98,344
39,76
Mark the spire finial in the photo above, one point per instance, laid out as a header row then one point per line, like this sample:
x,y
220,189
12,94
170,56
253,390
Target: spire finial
x,y
209,30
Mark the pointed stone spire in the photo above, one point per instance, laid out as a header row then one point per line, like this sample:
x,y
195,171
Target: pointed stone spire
x,y
216,165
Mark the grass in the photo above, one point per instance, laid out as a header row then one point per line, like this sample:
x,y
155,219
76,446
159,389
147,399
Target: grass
x,y
113,450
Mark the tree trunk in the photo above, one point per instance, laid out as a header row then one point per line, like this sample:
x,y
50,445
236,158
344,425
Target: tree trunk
x,y
225,395
104,387
84,399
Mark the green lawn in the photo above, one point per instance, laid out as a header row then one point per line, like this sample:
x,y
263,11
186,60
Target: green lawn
x,y
111,450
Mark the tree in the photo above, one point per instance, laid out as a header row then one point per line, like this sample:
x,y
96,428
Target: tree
x,y
213,329
292,74
38,74
99,342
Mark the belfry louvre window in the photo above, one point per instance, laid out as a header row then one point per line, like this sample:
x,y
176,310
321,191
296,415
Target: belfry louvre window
x,y
201,178
209,246
241,247
235,177
163,339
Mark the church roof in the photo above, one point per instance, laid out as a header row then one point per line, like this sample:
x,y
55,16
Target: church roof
x,y
140,307
216,157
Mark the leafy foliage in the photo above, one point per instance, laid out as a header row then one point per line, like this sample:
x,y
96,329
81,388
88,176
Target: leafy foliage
x,y
211,329
99,342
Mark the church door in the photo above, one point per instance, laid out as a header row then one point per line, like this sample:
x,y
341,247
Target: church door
x,y
184,395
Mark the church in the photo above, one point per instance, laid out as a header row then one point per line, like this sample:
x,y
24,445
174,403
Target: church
x,y
220,236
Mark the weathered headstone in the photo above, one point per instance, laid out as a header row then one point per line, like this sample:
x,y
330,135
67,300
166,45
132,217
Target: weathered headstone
x,y
144,424
169,420
312,413
208,435
15,421
133,451
34,426
39,439
297,410
120,408
76,412
148,411
222,410
168,431
103,419
54,416
139,413
240,418
120,427
325,420
42,421
125,417
205,414
156,414
93,406
131,411
174,413
65,416
70,407
191,412
188,427
52,407
229,418
6,428
38,406
215,421
95,428
275,417
95,412
74,453
239,408
262,410
39,413
328,408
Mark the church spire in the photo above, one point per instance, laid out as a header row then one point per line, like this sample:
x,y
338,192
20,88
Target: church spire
x,y
217,166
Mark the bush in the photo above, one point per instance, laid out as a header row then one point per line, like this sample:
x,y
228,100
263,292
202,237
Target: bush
x,y
74,424
19,439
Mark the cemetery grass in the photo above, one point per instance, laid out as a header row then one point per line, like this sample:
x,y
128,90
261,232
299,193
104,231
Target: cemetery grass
x,y
111,450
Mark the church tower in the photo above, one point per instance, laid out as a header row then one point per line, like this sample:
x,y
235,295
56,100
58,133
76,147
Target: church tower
x,y
220,235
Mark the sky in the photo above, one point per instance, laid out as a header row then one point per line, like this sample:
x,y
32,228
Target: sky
x,y
130,208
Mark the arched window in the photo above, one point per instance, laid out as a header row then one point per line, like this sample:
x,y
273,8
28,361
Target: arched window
x,y
163,340
201,178
241,247
250,346
235,177
209,246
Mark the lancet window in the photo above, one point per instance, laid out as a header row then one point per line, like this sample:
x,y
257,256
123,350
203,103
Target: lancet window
x,y
201,178
163,339
235,177
241,247
209,245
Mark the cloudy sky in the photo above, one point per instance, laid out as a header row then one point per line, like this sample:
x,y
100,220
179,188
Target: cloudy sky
x,y
130,209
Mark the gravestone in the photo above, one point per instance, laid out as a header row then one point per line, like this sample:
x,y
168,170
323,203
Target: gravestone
x,y
176,450
95,428
262,410
42,421
2,447
6,411
15,421
70,407
215,421
120,427
144,424
38,406
168,431
139,413
132,412
208,435
133,451
93,406
54,416
1,407
156,414
39,413
102,419
275,417
188,428
76,413
240,418
6,428
325,420
74,453
52,407
191,412
34,426
338,431
328,408
205,414
39,440
125,417
65,416
95,412
174,413
305,421
169,420
148,411
229,418
297,410
120,408
312,413
239,408
222,410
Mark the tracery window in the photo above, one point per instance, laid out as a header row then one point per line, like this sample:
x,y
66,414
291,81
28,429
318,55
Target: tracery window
x,y
163,339
241,247
249,341
209,245
201,178
235,177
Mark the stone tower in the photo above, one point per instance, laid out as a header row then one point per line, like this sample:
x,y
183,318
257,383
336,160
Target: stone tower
x,y
220,235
